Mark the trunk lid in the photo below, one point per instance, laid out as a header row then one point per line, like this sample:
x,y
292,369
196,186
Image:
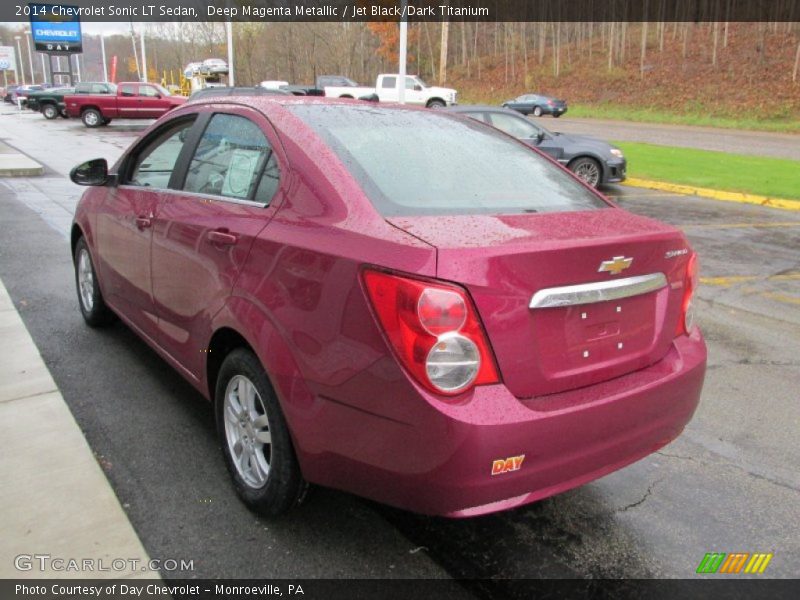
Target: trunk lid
x,y
504,260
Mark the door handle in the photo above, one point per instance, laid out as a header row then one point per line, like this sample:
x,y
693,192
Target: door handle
x,y
143,223
222,238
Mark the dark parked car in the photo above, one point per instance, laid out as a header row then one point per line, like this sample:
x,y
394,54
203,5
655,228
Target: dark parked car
x,y
537,105
324,81
222,91
595,161
50,102
397,302
20,93
7,91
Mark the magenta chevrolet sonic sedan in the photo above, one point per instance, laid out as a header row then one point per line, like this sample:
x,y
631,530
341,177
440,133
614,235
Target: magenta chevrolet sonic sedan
x,y
407,305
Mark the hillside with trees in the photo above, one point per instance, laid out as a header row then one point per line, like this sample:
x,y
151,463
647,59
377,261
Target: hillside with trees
x,y
720,69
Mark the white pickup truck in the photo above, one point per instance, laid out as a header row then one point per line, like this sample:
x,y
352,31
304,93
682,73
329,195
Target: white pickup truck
x,y
387,89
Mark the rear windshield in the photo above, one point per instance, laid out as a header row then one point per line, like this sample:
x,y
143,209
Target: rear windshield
x,y
424,162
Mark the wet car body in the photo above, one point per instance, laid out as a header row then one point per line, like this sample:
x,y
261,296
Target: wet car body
x,y
582,367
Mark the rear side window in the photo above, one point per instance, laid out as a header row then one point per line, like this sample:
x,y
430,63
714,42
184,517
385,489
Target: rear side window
x,y
389,82
421,162
128,90
230,161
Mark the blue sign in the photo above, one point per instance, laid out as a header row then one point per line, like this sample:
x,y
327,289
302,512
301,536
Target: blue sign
x,y
56,28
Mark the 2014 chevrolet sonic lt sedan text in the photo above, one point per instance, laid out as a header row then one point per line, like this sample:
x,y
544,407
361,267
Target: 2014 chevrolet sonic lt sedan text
x,y
403,304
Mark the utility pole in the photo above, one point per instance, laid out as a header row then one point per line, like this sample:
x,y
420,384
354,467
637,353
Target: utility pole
x,y
443,52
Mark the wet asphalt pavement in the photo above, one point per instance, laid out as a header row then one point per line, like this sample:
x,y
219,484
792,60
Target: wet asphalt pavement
x,y
759,143
730,483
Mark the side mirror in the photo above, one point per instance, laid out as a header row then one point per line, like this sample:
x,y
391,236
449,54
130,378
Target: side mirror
x,y
539,137
92,172
417,87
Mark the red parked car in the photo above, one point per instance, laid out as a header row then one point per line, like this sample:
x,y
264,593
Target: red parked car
x,y
403,304
131,101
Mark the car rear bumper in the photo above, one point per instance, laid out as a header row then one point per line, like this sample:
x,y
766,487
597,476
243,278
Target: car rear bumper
x,y
445,465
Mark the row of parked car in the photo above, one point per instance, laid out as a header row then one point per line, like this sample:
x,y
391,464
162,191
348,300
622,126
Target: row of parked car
x,y
98,103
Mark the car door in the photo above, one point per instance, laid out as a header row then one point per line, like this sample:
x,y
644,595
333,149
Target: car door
x,y
230,189
151,103
388,90
128,101
125,219
412,95
523,129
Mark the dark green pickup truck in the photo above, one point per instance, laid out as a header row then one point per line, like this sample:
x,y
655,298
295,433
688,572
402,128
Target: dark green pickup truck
x,y
50,102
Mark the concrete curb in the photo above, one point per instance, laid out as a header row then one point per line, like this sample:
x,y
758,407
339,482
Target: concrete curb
x,y
690,190
14,163
55,499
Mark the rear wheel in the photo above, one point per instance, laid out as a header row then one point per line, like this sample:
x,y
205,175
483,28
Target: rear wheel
x,y
91,117
587,169
256,444
50,111
537,111
93,307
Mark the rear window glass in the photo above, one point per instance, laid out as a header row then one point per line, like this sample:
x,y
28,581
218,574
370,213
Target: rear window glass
x,y
413,162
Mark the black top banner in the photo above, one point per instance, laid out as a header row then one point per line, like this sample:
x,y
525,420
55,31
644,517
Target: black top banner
x,y
412,10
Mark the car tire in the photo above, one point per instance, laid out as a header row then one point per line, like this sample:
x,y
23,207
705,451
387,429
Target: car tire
x,y
90,298
50,112
588,170
91,117
255,439
436,104
537,111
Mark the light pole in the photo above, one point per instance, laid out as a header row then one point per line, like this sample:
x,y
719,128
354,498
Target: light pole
x,y
144,59
30,56
229,32
19,59
103,52
44,69
401,92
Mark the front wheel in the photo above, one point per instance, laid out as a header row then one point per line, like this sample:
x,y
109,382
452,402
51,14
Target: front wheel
x,y
256,444
436,104
90,299
50,112
587,169
91,117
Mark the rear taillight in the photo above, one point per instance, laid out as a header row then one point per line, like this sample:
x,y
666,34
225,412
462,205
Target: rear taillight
x,y
686,320
550,103
434,330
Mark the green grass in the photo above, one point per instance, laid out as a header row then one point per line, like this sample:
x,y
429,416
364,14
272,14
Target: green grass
x,y
772,177
646,115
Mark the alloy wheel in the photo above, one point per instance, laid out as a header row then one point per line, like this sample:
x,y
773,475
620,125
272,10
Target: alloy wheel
x,y
247,431
86,280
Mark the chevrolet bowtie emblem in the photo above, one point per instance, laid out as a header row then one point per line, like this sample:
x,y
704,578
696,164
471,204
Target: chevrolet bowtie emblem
x,y
615,266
